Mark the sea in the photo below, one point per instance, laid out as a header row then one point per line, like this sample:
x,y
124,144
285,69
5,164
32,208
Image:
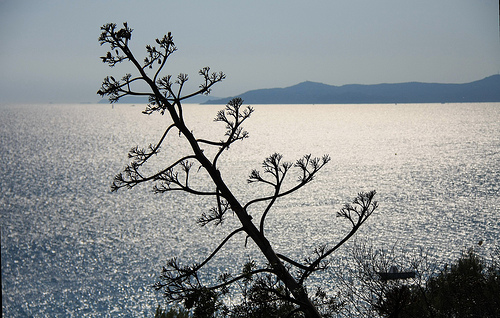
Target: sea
x,y
72,248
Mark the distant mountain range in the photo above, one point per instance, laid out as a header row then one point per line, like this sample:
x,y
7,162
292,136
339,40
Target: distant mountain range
x,y
485,90
200,99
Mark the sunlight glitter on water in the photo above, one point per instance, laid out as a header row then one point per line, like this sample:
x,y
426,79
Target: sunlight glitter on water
x,y
71,247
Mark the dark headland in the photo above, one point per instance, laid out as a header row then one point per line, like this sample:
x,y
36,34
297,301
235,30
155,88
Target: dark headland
x,y
485,90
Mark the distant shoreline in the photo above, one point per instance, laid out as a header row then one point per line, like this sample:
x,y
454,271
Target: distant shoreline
x,y
481,91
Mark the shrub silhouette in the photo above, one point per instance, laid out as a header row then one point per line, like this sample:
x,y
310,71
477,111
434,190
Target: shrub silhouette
x,y
467,288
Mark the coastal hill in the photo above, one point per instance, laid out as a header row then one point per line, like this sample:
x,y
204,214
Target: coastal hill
x,y
485,90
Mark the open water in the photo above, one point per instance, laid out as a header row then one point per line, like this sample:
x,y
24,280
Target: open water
x,y
70,248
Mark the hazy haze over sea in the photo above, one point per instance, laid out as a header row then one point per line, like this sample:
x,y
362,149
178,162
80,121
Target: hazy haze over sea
x,y
71,248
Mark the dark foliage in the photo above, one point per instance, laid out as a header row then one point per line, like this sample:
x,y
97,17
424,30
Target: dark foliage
x,y
467,288
171,313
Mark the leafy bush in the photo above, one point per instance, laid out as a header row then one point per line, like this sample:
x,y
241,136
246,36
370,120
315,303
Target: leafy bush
x,y
171,313
468,288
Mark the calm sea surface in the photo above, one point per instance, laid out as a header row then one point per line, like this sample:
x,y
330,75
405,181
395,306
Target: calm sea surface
x,y
70,248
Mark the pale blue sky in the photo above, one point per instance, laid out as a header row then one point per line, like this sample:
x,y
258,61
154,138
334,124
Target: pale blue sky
x,y
49,50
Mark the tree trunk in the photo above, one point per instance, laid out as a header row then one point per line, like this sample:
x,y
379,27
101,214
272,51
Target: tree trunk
x,y
283,274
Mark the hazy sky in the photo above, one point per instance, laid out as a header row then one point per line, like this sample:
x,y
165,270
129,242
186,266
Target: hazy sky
x,y
49,50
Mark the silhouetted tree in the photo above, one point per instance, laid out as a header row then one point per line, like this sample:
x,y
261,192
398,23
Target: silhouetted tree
x,y
282,279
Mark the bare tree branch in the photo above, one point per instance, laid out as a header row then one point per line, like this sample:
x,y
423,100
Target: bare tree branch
x,y
357,213
178,279
185,283
309,167
131,176
140,156
233,117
